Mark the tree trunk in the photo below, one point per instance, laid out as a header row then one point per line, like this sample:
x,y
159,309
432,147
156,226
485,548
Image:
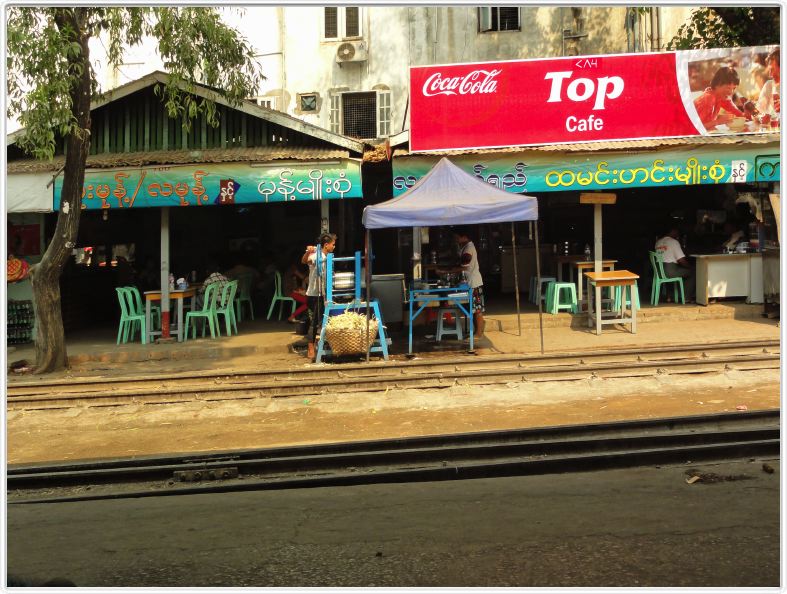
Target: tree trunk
x,y
45,276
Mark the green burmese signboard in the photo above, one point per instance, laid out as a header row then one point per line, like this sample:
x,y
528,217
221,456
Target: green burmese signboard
x,y
536,172
217,184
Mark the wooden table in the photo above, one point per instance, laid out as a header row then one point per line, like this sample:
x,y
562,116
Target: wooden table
x,y
589,265
567,259
610,278
179,295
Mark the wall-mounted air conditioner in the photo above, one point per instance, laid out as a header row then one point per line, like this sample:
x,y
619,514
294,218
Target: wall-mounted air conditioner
x,y
351,51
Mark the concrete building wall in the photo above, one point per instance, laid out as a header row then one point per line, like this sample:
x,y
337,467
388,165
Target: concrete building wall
x,y
296,58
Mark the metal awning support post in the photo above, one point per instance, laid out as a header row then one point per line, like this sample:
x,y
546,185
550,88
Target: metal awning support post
x,y
164,276
516,280
368,277
538,278
596,239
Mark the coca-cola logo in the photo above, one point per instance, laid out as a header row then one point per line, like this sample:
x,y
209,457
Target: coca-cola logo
x,y
477,81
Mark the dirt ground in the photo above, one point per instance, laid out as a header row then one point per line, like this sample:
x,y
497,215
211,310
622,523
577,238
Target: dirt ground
x,y
137,430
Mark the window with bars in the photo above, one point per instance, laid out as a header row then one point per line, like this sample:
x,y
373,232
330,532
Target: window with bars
x,y
335,114
498,18
341,22
384,114
359,114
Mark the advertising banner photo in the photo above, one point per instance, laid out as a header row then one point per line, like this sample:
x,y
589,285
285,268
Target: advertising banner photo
x,y
594,98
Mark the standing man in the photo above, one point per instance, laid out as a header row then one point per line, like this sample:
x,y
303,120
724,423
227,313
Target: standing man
x,y
468,264
315,292
675,261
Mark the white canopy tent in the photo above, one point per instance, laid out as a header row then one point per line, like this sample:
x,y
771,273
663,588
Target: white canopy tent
x,y
447,195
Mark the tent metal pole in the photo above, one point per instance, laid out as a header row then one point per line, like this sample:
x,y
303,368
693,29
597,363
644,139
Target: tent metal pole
x,y
516,279
368,289
538,288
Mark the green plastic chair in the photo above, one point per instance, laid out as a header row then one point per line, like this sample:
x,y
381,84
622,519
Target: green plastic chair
x,y
155,310
660,278
208,312
226,307
279,297
128,317
243,295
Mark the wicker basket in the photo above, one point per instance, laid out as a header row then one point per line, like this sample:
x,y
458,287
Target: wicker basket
x,y
349,341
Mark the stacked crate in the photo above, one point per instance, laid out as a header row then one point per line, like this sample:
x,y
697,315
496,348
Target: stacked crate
x,y
19,322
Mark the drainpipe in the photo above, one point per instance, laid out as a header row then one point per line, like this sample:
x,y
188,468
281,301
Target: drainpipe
x,y
282,33
655,26
434,34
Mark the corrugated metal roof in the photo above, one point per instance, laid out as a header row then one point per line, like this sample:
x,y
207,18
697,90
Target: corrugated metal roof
x,y
112,160
249,107
613,145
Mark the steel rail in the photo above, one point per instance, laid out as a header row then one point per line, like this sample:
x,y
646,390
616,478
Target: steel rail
x,y
18,387
467,455
476,373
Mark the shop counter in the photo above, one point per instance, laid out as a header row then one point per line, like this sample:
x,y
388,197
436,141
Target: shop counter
x,y
423,295
729,275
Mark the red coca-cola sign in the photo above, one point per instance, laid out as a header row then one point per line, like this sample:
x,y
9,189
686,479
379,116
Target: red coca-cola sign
x,y
566,100
477,81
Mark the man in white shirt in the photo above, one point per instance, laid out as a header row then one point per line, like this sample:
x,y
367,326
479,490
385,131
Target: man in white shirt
x,y
676,263
468,264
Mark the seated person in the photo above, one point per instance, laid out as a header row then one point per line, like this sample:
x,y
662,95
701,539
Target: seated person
x,y
295,282
676,263
244,272
243,267
214,277
717,96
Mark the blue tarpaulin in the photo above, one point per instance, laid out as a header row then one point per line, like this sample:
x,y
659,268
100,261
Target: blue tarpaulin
x,y
449,196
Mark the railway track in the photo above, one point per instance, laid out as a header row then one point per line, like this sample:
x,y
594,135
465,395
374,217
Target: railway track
x,y
446,457
379,375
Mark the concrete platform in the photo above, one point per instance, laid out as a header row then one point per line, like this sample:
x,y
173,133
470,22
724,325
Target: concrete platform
x,y
261,342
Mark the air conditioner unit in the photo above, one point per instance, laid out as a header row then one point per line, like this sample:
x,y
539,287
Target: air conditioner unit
x,y
352,51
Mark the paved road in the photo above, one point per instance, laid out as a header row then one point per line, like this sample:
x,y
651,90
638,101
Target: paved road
x,y
639,527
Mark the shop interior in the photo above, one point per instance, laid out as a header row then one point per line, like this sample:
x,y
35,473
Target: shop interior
x,y
119,247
